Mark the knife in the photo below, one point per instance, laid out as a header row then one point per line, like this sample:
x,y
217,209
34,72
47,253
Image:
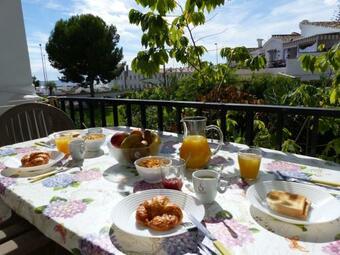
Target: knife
x,y
281,176
220,247
312,180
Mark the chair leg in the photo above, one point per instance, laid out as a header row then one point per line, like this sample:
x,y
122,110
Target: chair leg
x,y
28,243
11,231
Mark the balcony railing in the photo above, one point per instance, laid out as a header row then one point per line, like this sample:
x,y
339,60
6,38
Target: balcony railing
x,y
81,105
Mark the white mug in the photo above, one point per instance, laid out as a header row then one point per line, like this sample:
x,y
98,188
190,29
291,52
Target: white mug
x,y
77,149
206,185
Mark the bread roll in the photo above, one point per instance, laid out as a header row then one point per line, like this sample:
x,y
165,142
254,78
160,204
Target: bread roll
x,y
289,204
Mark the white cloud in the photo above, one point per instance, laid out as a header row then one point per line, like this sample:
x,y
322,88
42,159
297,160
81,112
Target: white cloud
x,y
331,2
111,11
53,5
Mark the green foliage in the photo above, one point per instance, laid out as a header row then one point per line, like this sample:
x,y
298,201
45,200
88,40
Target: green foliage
x,y
273,89
35,82
241,57
51,85
84,49
332,151
263,137
164,40
329,60
291,146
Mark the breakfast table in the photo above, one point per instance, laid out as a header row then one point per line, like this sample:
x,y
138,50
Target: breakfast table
x,y
74,208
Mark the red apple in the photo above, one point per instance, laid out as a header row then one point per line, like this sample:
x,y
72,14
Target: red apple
x,y
117,139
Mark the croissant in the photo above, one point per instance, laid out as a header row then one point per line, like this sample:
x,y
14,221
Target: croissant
x,y
159,214
35,159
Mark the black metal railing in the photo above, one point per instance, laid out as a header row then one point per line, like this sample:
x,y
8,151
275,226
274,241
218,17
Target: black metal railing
x,y
281,112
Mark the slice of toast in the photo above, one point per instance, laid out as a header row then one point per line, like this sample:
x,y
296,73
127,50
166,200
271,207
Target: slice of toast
x,y
289,204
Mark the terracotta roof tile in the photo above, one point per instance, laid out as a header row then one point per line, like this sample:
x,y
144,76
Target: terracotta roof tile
x,y
334,24
287,37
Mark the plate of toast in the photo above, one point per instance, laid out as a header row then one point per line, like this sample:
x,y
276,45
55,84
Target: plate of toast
x,y
295,203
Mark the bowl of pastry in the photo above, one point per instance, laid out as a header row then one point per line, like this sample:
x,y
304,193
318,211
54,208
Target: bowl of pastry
x,y
93,141
150,168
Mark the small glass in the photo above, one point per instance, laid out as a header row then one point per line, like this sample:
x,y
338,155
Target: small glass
x,y
249,161
62,143
172,176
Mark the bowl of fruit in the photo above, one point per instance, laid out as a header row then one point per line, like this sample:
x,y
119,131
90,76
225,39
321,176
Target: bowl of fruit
x,y
126,148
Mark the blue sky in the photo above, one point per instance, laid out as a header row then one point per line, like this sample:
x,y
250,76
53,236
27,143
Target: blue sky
x,y
238,22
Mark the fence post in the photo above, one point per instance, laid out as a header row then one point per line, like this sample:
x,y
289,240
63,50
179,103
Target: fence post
x,y
249,127
279,132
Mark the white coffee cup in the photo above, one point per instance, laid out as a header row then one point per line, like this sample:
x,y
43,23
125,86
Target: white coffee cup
x,y
206,185
77,149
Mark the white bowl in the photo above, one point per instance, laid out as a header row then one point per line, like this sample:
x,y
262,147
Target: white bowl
x,y
95,144
151,175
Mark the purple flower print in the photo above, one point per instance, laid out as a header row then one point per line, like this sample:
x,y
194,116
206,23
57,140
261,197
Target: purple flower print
x,y
221,232
294,174
168,147
238,183
332,248
7,152
25,150
182,244
88,175
142,185
2,166
58,181
101,244
282,165
6,182
65,209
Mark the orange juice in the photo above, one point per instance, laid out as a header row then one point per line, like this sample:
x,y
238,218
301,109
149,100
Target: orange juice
x,y
249,165
62,143
195,151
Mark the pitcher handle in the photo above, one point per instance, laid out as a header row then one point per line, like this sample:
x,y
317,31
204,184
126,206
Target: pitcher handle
x,y
220,142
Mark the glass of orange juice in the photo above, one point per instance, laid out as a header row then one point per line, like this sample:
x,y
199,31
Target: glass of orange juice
x,y
62,142
249,161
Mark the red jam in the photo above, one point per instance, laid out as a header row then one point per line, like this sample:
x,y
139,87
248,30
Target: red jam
x,y
173,183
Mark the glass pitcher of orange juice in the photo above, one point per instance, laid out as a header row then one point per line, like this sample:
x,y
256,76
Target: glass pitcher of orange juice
x,y
195,149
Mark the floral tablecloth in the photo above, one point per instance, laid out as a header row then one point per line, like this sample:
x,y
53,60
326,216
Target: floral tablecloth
x,y
74,208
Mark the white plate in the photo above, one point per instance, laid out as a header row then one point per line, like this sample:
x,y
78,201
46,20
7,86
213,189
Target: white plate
x,y
324,207
14,164
124,212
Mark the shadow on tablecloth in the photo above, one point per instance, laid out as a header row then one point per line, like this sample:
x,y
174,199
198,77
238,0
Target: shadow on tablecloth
x,y
315,233
124,177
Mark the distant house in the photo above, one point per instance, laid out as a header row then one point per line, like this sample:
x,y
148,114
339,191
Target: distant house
x,y
129,80
273,48
283,50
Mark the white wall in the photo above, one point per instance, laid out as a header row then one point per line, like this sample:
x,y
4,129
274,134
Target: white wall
x,y
273,44
249,73
293,67
15,72
136,81
309,30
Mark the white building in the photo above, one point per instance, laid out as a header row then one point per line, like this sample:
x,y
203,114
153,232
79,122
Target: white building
x,y
129,80
15,73
283,50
